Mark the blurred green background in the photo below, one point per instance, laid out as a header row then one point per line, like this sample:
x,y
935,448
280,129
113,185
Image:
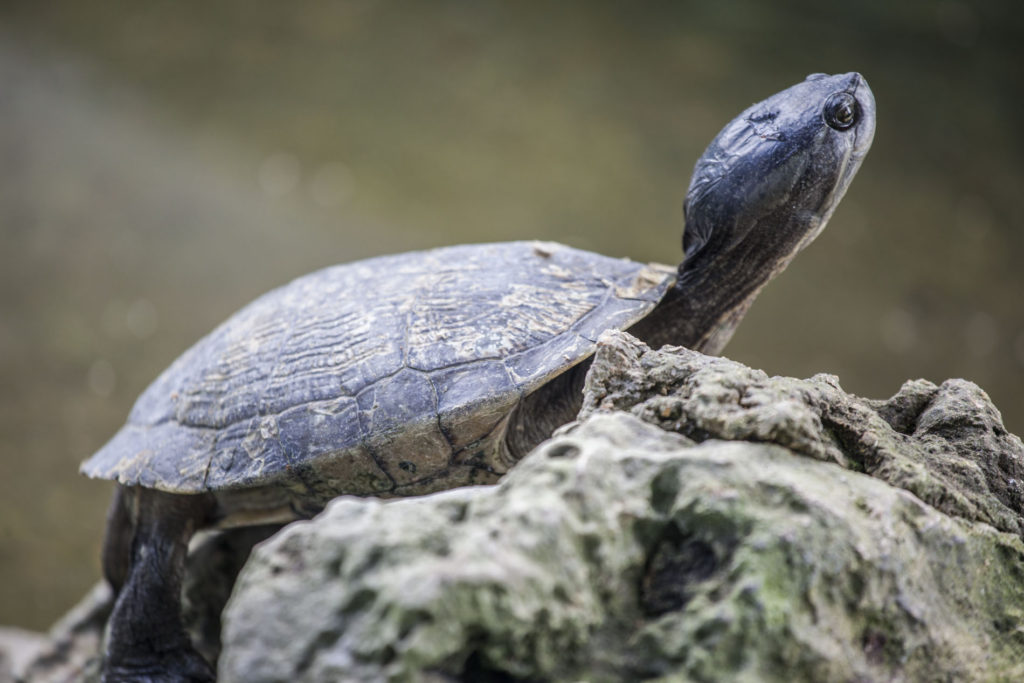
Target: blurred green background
x,y
162,163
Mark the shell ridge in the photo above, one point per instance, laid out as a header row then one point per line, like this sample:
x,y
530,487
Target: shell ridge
x,y
437,416
608,294
512,375
380,379
455,364
365,443
209,465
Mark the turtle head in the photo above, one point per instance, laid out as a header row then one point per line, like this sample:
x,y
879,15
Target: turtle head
x,y
764,189
770,180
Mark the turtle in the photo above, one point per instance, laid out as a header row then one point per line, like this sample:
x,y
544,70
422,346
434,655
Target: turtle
x,y
413,373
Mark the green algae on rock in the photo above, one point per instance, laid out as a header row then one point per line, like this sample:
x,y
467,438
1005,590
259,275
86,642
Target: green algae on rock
x,y
621,551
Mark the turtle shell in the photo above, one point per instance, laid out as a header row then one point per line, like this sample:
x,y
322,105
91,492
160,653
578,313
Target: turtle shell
x,y
385,375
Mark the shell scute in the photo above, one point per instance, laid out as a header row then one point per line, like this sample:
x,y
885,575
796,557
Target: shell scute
x,y
465,415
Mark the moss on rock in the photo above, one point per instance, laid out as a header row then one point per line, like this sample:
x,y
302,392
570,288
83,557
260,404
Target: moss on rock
x,y
624,551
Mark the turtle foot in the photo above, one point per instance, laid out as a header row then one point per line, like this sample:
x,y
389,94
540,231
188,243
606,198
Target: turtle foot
x,y
178,667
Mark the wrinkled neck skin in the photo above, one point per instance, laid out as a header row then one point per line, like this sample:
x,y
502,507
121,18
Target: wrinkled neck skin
x,y
716,288
680,321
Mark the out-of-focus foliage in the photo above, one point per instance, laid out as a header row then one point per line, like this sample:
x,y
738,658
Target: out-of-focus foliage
x,y
163,163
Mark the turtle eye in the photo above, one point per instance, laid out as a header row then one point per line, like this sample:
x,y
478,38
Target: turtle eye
x,y
840,110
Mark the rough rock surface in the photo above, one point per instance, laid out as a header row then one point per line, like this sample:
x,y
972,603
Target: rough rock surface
x,y
831,538
945,444
18,648
700,521
69,652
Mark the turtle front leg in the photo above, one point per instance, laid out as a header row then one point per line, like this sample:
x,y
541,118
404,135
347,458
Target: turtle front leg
x,y
146,641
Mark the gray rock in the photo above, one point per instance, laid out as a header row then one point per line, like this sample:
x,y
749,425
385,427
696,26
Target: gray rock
x,y
18,647
830,538
69,653
945,444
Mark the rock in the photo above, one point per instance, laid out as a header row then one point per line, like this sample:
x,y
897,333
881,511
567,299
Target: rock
x,y
946,444
18,647
69,653
701,521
